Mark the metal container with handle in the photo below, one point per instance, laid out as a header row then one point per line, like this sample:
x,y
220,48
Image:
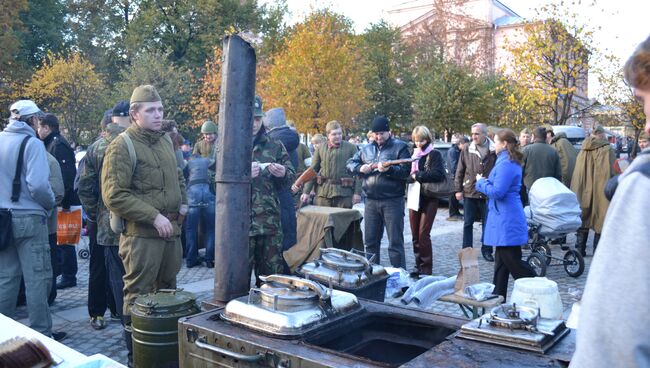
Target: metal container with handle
x,y
154,319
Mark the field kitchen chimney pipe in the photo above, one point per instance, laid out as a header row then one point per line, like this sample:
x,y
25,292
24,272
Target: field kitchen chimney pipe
x,y
233,170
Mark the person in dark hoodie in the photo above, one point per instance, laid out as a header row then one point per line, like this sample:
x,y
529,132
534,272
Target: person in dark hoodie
x,y
58,146
275,122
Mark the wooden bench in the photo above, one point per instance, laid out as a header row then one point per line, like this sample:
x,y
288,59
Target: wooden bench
x,y
476,308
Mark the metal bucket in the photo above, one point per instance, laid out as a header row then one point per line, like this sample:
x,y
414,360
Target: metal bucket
x,y
154,320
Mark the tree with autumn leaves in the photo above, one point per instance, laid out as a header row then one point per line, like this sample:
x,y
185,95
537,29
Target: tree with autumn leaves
x,y
548,77
318,75
70,88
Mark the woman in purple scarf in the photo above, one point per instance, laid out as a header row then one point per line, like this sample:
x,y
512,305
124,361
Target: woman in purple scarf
x,y
427,168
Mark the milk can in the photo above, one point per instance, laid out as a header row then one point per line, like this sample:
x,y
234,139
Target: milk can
x,y
154,319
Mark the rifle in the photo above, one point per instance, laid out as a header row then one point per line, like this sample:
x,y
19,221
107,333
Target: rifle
x,y
306,176
393,162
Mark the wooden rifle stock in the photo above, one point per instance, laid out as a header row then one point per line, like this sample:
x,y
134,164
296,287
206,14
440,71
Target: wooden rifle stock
x,y
306,176
393,162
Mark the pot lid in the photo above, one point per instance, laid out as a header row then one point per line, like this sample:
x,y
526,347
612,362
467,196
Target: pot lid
x,y
165,301
343,260
288,306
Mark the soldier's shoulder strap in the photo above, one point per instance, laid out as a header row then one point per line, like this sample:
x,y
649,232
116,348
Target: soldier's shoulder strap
x,y
130,149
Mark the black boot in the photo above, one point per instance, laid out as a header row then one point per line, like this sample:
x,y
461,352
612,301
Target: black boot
x,y
581,242
126,321
596,240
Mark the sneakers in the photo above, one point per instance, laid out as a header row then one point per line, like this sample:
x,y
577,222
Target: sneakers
x,y
58,336
455,218
98,323
65,284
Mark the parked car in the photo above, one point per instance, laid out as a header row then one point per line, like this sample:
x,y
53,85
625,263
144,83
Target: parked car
x,y
574,134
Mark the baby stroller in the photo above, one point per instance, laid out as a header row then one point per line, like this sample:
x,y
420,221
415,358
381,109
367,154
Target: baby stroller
x,y
553,213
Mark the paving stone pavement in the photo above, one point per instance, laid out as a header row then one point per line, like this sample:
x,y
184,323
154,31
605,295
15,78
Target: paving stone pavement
x,y
70,312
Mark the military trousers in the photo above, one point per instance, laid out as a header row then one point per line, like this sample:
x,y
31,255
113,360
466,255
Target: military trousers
x,y
340,202
28,256
149,264
265,255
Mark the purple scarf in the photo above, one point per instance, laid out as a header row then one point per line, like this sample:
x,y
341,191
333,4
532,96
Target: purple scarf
x,y
418,154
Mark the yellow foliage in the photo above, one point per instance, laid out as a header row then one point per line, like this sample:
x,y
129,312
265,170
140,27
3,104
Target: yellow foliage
x,y
70,88
205,105
317,77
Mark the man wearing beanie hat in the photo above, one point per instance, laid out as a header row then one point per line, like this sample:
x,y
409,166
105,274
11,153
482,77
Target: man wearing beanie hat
x,y
270,169
275,122
384,186
106,267
148,192
594,167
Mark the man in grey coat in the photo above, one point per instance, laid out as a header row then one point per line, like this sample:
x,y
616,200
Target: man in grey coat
x,y
29,255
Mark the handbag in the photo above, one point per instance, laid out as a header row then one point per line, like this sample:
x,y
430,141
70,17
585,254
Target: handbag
x,y
68,227
6,227
441,189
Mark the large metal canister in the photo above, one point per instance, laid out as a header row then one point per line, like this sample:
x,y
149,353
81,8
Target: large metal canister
x,y
154,319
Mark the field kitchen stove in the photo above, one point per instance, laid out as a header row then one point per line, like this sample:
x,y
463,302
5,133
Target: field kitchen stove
x,y
347,271
294,322
515,326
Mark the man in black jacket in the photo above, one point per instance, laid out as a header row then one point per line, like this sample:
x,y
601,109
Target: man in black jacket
x,y
58,146
478,157
384,187
458,143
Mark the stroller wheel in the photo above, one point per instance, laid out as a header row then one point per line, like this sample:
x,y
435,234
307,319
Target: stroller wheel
x,y
538,262
545,249
574,264
84,254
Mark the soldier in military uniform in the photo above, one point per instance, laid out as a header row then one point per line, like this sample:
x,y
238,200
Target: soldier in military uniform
x,y
270,168
206,145
335,186
106,267
149,196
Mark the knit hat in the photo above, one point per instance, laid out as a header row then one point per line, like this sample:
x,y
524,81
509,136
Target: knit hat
x,y
145,93
121,109
275,118
257,107
598,129
380,124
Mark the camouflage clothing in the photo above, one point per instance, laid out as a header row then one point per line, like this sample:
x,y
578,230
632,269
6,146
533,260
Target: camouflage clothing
x,y
265,206
90,189
265,255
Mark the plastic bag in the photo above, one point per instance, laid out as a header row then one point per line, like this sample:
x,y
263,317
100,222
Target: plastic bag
x,y
68,228
397,282
480,291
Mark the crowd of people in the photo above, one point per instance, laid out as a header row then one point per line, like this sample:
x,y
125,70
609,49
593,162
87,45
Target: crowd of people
x,y
149,202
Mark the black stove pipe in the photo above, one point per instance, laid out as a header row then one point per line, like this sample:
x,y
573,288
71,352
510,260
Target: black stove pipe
x,y
233,170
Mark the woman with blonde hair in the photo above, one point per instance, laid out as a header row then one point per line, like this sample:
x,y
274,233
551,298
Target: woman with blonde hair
x,y
427,168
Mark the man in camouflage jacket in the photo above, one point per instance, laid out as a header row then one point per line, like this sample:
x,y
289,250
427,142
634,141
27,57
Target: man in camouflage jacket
x,y
270,168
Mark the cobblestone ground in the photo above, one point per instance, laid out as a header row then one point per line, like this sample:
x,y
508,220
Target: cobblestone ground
x,y
70,312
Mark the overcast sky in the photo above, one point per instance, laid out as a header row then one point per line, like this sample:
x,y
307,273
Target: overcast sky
x,y
623,23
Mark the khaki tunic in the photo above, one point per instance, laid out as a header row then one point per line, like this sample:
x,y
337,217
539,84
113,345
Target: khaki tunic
x,y
330,163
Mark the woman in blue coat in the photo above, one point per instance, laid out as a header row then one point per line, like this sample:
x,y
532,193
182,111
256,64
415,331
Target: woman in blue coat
x,y
506,227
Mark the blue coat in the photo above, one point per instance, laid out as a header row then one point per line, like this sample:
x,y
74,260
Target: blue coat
x,y
506,222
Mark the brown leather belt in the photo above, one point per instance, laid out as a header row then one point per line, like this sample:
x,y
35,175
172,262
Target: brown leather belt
x,y
173,216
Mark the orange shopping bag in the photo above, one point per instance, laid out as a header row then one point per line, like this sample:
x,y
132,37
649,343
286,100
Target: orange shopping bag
x,y
68,228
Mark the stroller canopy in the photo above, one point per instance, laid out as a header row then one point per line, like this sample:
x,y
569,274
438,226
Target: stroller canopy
x,y
553,207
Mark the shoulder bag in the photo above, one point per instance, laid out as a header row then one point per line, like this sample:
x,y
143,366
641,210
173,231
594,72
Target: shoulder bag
x,y
6,228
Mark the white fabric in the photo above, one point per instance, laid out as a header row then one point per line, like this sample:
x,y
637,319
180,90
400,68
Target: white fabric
x,y
554,207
